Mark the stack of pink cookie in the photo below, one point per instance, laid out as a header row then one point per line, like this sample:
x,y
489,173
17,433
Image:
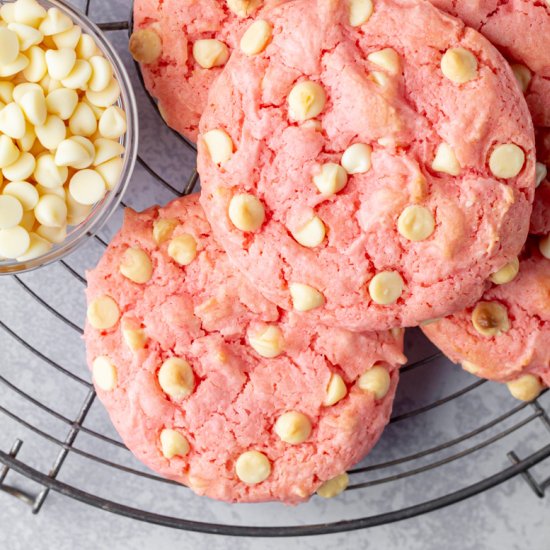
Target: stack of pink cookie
x,y
366,165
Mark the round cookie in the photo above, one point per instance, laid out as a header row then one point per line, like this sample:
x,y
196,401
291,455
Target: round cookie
x,y
182,46
520,29
505,336
210,384
353,173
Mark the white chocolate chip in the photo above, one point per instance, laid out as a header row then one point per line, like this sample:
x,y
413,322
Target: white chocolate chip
x,y
11,211
333,487
37,67
37,247
87,187
490,318
163,229
176,378
267,340
12,121
459,65
27,36
136,265
20,64
26,143
33,105
252,467
9,46
70,152
541,173
111,171
306,100
331,179
107,97
246,212
48,174
357,158
507,161
103,313
22,169
106,149
145,46
78,78
256,37
9,152
360,12
311,233
86,47
336,390
112,124
210,53
544,246
102,73
62,102
416,223
219,145
51,133
68,38
506,273
173,443
55,235
28,12
6,91
445,160
21,89
24,192
55,22
51,211
305,297
523,76
104,373
386,287
183,249
526,387
14,242
376,380
293,427
387,59
83,121
133,335
243,8
60,62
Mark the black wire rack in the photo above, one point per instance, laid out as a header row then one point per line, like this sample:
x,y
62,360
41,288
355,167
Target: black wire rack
x,y
451,438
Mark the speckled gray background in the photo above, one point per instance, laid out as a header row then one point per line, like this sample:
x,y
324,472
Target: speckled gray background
x,y
510,516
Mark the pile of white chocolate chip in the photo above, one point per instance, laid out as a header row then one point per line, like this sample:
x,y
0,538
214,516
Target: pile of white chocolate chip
x,y
59,128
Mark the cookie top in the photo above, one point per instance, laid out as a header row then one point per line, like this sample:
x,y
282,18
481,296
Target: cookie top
x,y
353,172
520,29
505,336
210,384
182,46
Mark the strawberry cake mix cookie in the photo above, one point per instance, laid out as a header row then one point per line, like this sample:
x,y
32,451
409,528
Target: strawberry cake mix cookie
x,y
211,385
506,336
521,31
182,46
369,165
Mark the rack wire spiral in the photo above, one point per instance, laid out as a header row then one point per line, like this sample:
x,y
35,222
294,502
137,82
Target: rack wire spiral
x,y
451,436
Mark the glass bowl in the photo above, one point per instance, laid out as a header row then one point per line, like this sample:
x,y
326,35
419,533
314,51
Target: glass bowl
x,y
77,235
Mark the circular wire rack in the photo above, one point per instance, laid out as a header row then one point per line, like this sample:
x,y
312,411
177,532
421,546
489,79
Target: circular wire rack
x,y
451,436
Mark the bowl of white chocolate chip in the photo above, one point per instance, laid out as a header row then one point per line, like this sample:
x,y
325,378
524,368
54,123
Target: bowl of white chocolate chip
x,y
68,132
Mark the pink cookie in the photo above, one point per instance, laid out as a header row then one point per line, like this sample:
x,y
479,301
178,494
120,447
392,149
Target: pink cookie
x,y
506,336
521,31
210,384
164,41
346,170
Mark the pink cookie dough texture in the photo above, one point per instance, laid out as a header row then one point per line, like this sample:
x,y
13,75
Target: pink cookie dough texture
x,y
520,29
205,312
404,111
521,349
174,78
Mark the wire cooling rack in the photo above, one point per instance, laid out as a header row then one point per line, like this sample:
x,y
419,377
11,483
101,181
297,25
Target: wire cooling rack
x,y
451,437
